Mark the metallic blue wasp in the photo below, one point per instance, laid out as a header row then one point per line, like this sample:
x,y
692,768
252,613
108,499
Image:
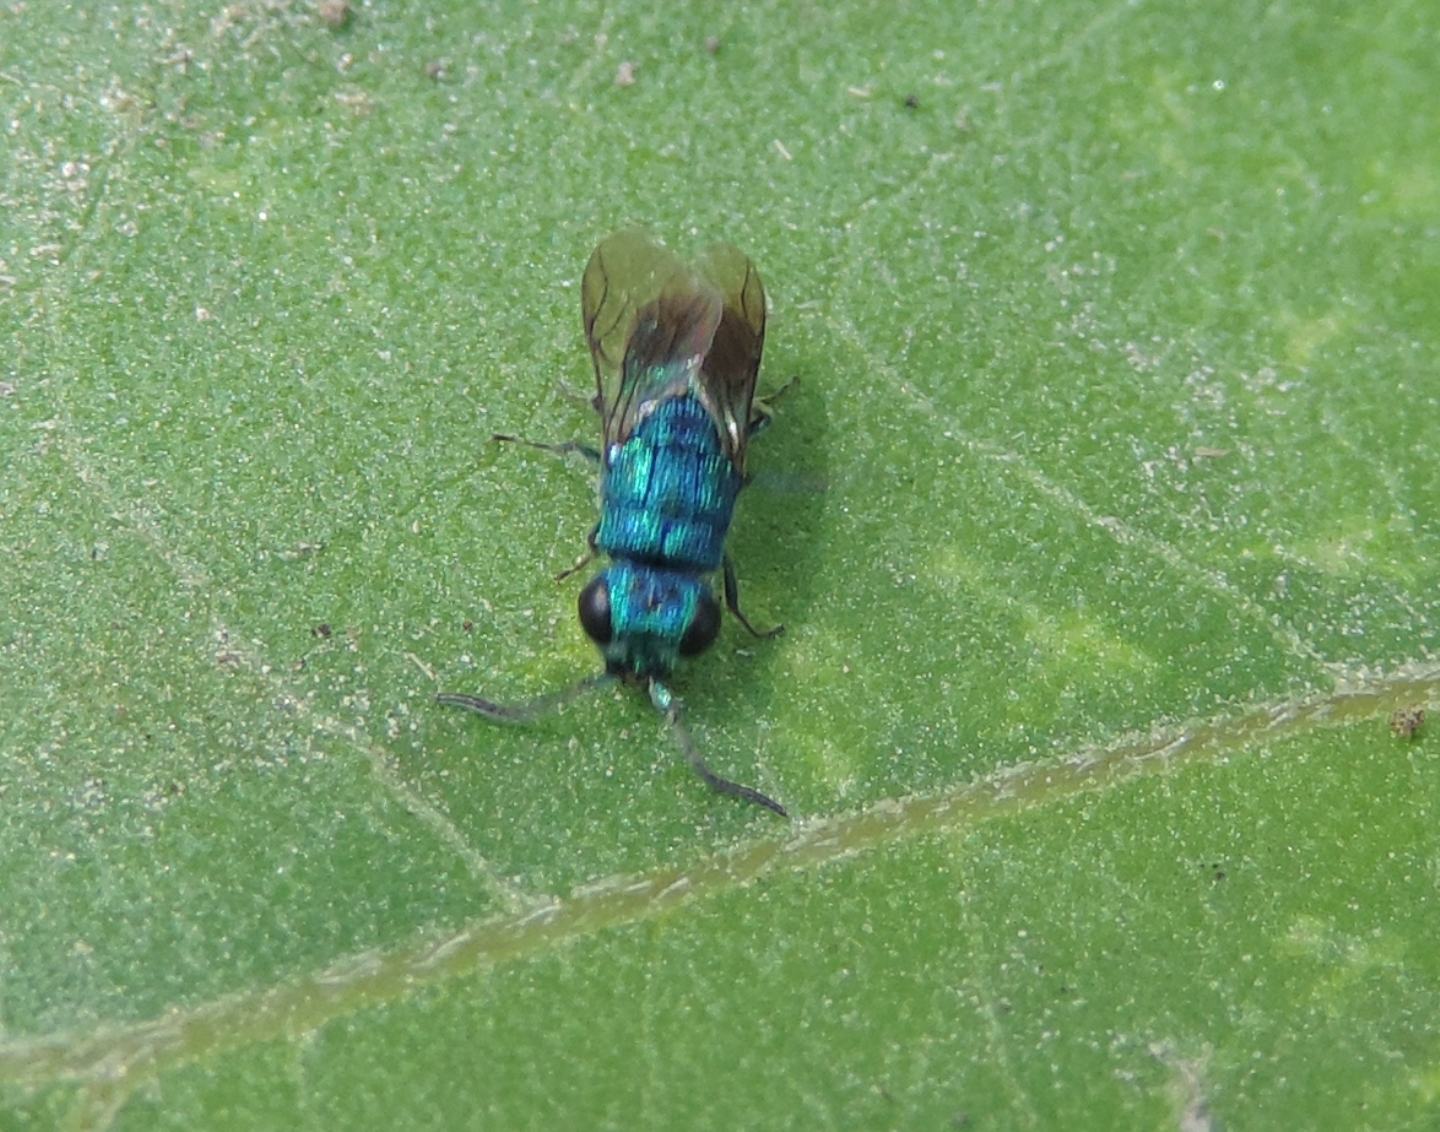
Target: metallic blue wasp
x,y
676,352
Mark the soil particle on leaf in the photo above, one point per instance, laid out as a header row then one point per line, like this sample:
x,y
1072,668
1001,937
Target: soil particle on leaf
x,y
1406,722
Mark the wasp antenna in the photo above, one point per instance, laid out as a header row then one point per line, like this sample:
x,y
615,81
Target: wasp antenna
x,y
669,707
530,709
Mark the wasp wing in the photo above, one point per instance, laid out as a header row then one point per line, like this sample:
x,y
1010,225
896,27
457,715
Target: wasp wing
x,y
732,363
650,322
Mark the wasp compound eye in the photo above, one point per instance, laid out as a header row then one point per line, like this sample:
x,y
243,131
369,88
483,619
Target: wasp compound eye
x,y
703,629
595,611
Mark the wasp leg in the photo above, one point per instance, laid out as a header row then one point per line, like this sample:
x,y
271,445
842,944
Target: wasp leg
x,y
570,447
732,602
762,409
578,397
585,559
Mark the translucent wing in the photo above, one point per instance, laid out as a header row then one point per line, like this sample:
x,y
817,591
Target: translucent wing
x,y
733,361
650,322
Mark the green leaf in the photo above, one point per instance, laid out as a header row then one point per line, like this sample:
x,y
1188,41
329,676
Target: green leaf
x,y
1102,522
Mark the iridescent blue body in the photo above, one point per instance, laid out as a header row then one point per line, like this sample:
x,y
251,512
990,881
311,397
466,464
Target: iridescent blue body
x,y
676,352
668,491
667,494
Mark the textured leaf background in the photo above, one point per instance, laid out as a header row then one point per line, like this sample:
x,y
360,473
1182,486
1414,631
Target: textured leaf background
x,y
1102,521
